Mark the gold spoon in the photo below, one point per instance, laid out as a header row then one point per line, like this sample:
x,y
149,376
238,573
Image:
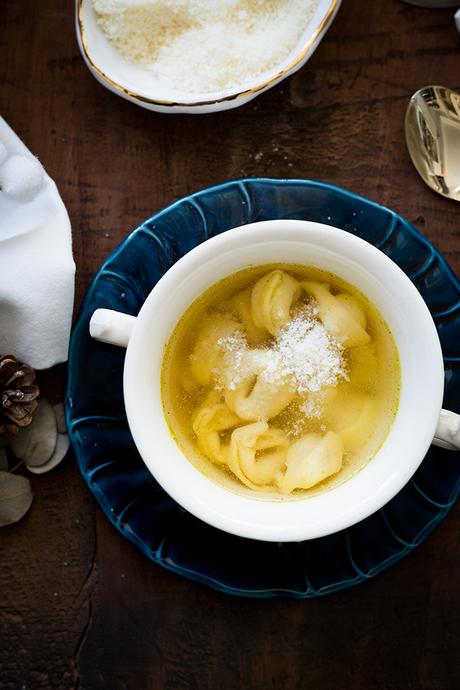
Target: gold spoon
x,y
433,138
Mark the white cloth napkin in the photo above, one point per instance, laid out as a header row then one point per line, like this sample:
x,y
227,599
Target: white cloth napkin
x,y
37,270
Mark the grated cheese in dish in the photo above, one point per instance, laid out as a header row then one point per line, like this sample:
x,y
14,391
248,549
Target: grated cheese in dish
x,y
201,46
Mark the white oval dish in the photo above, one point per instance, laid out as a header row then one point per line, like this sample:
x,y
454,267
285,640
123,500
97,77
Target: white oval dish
x,y
139,86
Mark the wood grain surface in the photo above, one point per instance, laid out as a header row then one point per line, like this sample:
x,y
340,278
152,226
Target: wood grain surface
x,y
80,607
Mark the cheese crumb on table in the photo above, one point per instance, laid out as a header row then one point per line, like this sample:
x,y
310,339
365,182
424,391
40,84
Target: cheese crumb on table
x,y
200,46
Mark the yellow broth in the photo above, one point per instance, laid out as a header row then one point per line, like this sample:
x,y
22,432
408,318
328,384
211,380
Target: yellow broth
x,y
372,369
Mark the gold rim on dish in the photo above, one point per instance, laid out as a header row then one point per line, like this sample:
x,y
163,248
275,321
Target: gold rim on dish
x,y
322,27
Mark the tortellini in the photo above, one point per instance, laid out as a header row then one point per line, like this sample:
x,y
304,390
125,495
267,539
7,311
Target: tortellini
x,y
352,414
311,460
207,355
240,304
212,418
249,440
342,315
254,398
280,384
272,299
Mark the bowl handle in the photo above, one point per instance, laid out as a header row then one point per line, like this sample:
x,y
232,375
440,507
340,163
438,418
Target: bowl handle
x,y
115,328
447,434
111,327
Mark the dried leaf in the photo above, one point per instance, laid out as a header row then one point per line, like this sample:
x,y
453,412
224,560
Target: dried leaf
x,y
15,498
62,446
35,444
60,418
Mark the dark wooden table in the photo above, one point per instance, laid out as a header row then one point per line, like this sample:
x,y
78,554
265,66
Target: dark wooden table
x,y
80,607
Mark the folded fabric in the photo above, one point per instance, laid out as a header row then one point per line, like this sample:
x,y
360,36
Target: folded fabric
x,y
37,270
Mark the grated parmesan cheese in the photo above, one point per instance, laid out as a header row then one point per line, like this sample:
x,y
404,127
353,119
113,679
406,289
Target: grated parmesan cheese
x,y
200,46
303,354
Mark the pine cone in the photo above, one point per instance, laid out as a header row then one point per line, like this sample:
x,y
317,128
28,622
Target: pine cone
x,y
18,396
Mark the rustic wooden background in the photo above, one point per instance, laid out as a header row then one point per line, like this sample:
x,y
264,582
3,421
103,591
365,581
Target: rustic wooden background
x,y
79,606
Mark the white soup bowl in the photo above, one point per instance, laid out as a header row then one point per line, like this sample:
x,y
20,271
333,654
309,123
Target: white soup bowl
x,y
418,421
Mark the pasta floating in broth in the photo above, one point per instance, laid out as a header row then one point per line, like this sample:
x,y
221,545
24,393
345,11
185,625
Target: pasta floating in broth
x,y
310,460
254,398
212,418
281,380
207,355
351,413
342,315
272,299
241,307
246,442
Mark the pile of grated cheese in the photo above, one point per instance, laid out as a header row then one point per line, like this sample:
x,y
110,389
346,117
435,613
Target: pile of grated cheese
x,y
201,46
303,354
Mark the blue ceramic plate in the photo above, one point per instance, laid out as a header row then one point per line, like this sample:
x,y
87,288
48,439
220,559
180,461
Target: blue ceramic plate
x,y
118,478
